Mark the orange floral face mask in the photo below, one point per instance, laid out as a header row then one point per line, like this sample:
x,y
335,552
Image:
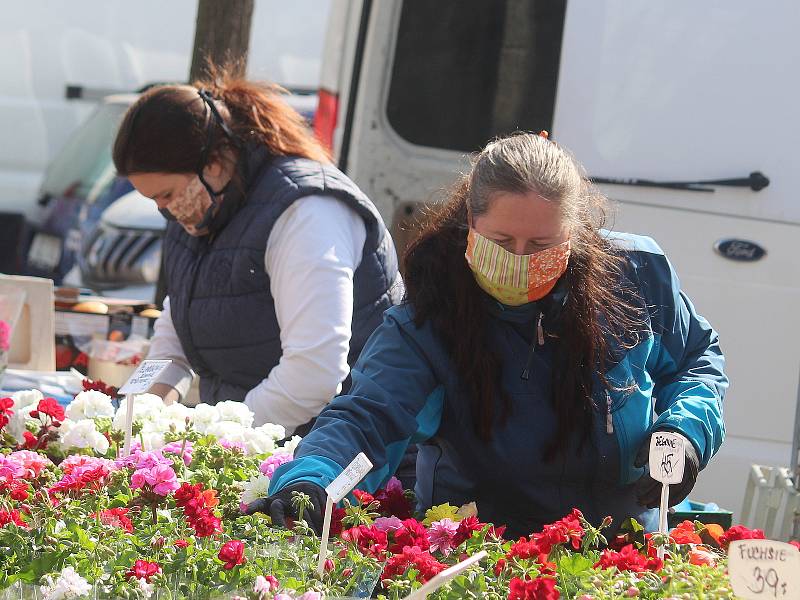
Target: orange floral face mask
x,y
515,279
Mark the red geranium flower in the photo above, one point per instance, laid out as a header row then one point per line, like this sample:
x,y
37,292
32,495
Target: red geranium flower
x,y
31,441
180,544
364,498
466,528
49,407
412,533
116,517
11,516
422,561
143,569
6,404
685,533
739,532
628,559
370,541
541,588
232,554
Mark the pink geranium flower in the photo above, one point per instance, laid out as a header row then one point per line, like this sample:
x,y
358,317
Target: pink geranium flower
x,y
160,478
441,535
33,462
269,466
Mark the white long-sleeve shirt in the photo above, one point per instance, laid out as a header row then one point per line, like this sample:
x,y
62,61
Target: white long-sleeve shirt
x,y
312,253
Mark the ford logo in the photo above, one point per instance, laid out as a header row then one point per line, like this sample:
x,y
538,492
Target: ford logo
x,y
740,250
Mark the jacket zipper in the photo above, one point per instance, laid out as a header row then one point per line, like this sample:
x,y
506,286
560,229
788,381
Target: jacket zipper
x,y
609,416
538,339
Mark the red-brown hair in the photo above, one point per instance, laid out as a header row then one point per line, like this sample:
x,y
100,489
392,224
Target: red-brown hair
x,y
166,129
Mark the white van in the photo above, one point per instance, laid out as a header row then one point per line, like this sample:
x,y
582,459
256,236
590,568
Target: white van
x,y
662,91
58,59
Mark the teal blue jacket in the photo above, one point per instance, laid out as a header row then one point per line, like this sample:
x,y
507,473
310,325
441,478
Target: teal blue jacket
x,y
405,390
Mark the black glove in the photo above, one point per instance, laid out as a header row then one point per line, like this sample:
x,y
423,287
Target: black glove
x,y
648,490
279,506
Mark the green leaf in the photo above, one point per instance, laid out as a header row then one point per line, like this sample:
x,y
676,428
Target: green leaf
x,y
80,534
574,564
44,564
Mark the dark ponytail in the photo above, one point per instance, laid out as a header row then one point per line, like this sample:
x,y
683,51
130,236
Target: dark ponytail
x,y
166,129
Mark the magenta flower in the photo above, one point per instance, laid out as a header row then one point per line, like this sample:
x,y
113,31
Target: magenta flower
x,y
441,535
388,524
175,448
269,466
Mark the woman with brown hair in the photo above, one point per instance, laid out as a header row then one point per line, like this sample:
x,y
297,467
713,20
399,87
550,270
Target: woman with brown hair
x,y
278,267
533,357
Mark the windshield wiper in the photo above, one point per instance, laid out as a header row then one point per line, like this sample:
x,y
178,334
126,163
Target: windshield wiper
x,y
756,181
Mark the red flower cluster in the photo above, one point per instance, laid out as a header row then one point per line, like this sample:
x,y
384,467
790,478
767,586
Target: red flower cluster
x,y
49,407
412,533
180,544
370,541
541,588
393,501
6,404
143,569
116,517
739,532
568,529
11,516
99,386
628,559
16,488
467,527
415,557
197,504
232,554
364,498
685,533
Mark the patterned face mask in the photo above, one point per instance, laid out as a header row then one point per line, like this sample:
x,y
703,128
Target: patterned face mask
x,y
515,279
189,207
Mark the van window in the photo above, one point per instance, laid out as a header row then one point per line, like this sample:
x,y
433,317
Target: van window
x,y
467,71
86,157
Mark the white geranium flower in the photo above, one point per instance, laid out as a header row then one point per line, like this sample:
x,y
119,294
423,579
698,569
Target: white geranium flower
x,y
276,432
146,407
84,434
153,439
227,430
257,487
258,441
290,446
68,586
235,411
203,416
90,404
176,413
145,588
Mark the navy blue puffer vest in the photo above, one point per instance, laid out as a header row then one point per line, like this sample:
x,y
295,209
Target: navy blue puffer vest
x,y
220,298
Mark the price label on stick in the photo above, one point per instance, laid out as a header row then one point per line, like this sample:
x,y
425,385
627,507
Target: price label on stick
x,y
764,569
667,457
350,478
144,376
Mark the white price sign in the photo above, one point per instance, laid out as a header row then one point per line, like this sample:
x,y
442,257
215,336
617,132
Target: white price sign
x,y
667,457
350,478
144,376
764,569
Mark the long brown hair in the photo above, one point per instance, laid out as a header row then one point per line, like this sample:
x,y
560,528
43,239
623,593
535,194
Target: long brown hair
x,y
166,129
599,312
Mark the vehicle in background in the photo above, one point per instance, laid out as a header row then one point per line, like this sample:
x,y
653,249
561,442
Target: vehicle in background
x,y
62,59
658,97
73,241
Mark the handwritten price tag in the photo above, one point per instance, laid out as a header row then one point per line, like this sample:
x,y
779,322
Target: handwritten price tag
x,y
667,457
764,569
144,376
350,478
